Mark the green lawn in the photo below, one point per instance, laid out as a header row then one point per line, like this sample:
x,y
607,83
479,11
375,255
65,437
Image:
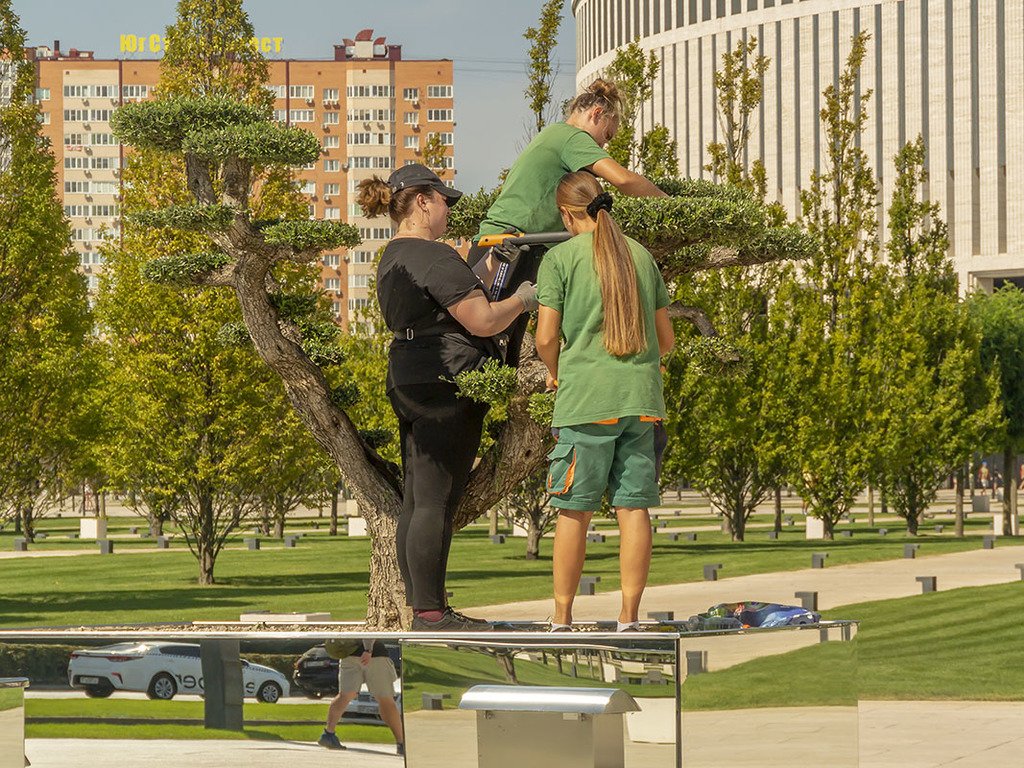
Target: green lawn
x,y
330,574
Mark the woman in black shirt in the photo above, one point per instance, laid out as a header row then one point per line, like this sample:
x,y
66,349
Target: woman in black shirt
x,y
443,322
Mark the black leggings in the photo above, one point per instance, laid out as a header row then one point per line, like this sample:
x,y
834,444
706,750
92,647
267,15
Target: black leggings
x,y
440,434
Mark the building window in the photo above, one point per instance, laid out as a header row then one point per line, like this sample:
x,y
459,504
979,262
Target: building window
x,y
375,233
360,138
302,116
362,257
307,187
135,91
336,308
76,162
411,94
44,118
332,214
332,283
280,115
439,91
104,188
76,115
76,187
74,139
332,142
354,304
102,139
440,115
278,91
301,92
358,281
332,189
447,139
104,163
412,142
332,166
332,118
332,94
100,115
412,118
42,94
332,260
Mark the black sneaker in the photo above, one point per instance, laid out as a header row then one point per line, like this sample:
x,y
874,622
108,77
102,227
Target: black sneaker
x,y
330,741
450,621
400,750
464,617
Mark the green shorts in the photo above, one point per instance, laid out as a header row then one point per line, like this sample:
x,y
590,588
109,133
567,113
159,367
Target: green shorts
x,y
617,457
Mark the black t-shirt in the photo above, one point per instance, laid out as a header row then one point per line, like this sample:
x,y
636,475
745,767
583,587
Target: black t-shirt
x,y
416,281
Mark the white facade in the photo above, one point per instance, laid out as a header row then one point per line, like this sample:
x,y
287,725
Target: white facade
x,y
950,70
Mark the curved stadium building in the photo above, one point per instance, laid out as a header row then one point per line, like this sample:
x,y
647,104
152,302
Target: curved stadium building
x,y
950,70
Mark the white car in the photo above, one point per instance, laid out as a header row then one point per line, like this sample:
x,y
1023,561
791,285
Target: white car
x,y
161,670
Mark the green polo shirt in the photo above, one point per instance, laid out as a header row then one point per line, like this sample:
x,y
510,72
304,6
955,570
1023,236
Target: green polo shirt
x,y
593,384
527,199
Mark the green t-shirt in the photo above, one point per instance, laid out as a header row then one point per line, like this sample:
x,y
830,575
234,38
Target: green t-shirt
x,y
593,384
527,199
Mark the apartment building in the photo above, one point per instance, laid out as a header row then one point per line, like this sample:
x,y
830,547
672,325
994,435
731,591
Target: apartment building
x,y
371,109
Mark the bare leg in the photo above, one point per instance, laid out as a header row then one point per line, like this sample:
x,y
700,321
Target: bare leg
x,y
567,560
392,718
338,706
634,559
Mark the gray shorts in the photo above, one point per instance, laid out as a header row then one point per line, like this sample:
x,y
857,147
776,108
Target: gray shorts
x,y
379,676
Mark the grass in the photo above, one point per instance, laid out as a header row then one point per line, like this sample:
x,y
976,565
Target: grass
x,y
331,574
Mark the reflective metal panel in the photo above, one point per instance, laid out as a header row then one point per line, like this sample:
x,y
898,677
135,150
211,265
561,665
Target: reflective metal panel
x,y
12,722
558,685
771,698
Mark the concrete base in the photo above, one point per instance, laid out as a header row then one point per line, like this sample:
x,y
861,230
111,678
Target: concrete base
x,y
92,528
285,618
997,524
815,528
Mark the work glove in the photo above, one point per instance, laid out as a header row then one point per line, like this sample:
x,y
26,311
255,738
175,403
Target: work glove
x,y
527,292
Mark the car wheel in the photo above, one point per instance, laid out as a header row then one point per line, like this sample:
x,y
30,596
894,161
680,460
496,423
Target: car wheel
x,y
162,687
99,691
269,693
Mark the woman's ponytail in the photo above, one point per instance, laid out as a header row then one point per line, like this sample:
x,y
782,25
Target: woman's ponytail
x,y
625,333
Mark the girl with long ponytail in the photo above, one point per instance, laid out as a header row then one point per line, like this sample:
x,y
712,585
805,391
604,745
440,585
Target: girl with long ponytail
x,y
602,292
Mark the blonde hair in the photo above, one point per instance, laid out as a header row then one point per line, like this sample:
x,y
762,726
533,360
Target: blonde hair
x,y
375,197
625,332
600,93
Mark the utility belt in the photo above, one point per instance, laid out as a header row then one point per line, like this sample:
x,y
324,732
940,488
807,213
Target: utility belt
x,y
494,346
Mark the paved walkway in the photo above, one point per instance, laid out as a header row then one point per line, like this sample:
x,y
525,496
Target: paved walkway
x,y
836,586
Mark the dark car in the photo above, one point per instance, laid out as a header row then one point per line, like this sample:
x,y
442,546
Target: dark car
x,y
316,675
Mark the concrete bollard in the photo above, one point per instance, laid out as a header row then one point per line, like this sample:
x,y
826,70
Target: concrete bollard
x,y
498,538
290,541
252,544
928,584
818,559
588,585
597,538
847,534
988,542
773,535
162,542
883,531
21,545
910,551
696,663
711,572
661,615
691,537
809,600
1020,567
939,528
106,546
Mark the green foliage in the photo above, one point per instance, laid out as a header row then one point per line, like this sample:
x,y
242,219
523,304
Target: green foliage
x,y
541,407
189,218
234,334
494,384
540,72
184,270
312,235
47,360
377,438
165,124
345,395
434,152
1001,319
659,154
262,143
294,306
633,70
464,219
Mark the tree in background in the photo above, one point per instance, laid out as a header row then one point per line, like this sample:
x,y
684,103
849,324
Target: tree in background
x,y
434,152
540,70
634,72
1001,317
199,429
527,507
935,404
724,443
827,320
46,357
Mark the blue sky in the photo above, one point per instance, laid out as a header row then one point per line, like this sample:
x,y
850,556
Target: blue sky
x,y
483,37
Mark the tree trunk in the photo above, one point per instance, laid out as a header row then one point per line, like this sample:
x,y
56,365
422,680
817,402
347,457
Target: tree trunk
x,y
279,526
1009,507
884,502
156,523
27,523
532,539
205,536
871,505
913,520
264,524
738,524
386,604
778,509
333,530
206,562
959,525
492,527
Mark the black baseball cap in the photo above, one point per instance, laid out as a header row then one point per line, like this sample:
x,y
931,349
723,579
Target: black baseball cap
x,y
418,175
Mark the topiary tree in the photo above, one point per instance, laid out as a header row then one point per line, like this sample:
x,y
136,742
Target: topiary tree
x,y
222,144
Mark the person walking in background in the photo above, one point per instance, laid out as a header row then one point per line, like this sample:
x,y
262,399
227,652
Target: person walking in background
x,y
443,320
984,478
526,202
604,293
369,665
